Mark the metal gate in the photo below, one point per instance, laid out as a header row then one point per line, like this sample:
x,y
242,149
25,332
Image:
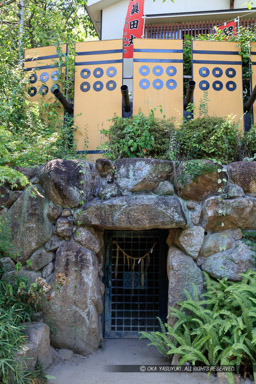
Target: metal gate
x,y
136,282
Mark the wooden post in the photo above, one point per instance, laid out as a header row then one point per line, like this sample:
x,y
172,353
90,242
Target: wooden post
x,y
232,4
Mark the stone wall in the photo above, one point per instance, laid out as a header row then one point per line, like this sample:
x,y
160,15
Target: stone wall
x,y
204,206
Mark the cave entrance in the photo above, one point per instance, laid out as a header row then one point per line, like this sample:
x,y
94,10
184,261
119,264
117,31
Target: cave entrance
x,y
136,282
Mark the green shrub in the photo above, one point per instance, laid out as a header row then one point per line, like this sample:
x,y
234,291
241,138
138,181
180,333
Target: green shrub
x,y
249,143
218,329
138,136
14,310
6,247
206,137
209,138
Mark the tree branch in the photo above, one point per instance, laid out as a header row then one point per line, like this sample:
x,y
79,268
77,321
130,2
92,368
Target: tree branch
x,y
8,22
6,3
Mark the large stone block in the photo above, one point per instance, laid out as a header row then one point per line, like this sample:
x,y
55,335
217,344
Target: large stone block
x,y
243,173
68,182
219,214
196,180
89,238
182,273
137,175
191,240
75,304
230,263
134,212
220,241
29,224
37,349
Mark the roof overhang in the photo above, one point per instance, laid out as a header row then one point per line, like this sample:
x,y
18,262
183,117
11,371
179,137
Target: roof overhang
x,y
199,16
94,8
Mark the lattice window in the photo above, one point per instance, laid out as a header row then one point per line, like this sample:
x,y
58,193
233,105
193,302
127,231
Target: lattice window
x,y
181,29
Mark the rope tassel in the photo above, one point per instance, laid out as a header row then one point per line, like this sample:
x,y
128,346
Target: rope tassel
x,y
130,260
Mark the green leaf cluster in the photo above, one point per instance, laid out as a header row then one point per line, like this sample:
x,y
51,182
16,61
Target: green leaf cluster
x,y
219,328
14,310
209,138
138,136
203,138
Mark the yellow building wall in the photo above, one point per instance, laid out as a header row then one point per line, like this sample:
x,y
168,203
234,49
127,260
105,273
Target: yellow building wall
x,y
98,78
217,71
158,77
41,65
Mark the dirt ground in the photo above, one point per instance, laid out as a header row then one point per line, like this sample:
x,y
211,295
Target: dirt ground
x,y
94,368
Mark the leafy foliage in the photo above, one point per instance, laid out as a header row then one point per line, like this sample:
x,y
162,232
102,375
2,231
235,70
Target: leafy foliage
x,y
203,138
32,133
139,136
217,329
209,137
14,310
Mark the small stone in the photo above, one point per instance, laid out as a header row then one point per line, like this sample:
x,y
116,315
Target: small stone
x,y
47,270
108,191
164,188
215,243
8,197
49,278
34,180
66,212
191,205
37,317
195,214
64,227
175,359
65,354
31,171
173,234
88,238
27,356
39,334
236,234
40,259
191,240
3,212
6,264
53,244
104,167
55,355
30,275
222,378
234,190
54,212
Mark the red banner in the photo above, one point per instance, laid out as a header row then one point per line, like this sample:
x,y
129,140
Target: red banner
x,y
229,29
133,27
